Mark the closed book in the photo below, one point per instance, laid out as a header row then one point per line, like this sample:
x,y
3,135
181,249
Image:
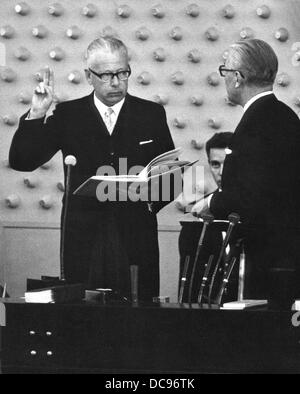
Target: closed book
x,y
242,304
56,294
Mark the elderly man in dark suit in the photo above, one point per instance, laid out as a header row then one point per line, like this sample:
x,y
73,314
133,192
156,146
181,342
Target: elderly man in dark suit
x,y
105,128
261,174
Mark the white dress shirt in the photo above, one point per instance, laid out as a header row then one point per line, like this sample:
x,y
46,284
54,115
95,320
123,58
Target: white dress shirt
x,y
102,108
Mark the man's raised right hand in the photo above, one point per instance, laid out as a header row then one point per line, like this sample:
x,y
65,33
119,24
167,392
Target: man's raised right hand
x,y
43,96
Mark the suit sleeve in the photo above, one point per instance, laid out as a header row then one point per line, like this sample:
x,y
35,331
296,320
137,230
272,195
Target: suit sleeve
x,y
246,180
165,144
35,142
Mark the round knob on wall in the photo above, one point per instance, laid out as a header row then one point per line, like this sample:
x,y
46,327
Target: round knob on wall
x,y
25,97
22,8
142,33
179,122
194,56
46,166
158,11
109,31
263,11
12,201
197,144
214,123
74,77
55,9
90,10
10,119
176,33
39,31
196,100
7,31
246,32
46,202
212,34
73,32
193,10
144,78
297,101
56,54
159,55
282,34
162,99
60,186
124,11
177,78
213,79
30,181
22,53
7,74
283,79
228,11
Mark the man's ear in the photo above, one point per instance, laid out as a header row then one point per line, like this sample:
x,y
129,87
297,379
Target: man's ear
x,y
88,76
238,80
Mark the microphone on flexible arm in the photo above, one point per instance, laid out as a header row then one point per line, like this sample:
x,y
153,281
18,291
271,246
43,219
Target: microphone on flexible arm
x,y
70,161
233,219
208,218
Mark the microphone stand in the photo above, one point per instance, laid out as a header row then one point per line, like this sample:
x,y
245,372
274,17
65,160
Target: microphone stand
x,y
226,276
233,219
207,219
69,162
183,278
205,278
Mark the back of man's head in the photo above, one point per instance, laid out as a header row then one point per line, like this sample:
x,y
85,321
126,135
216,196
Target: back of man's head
x,y
257,61
218,141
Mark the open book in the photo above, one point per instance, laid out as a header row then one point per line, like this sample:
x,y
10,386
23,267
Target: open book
x,y
156,173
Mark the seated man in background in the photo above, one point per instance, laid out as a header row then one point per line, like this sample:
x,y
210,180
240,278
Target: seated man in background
x,y
190,232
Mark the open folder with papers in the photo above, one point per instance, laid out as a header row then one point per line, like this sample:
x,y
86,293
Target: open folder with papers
x,y
155,175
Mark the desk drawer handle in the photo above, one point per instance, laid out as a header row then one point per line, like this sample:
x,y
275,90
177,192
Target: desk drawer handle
x,y
31,332
49,353
33,353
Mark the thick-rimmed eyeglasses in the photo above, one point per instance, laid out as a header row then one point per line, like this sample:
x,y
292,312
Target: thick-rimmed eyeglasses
x,y
122,75
223,70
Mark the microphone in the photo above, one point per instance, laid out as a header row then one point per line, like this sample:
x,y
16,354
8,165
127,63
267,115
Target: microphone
x,y
134,270
205,278
70,161
233,219
183,278
226,276
208,218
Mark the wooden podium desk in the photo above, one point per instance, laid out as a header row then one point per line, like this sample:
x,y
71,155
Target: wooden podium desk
x,y
166,338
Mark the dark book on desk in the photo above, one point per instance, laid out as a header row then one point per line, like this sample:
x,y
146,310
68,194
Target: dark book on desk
x,y
56,294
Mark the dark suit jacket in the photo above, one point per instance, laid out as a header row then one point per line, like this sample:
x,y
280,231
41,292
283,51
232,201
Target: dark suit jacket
x,y
102,239
261,182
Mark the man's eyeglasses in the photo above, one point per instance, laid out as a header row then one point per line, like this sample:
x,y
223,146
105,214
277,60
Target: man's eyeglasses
x,y
122,75
223,69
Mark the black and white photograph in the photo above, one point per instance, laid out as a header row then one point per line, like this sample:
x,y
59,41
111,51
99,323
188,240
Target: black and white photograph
x,y
149,189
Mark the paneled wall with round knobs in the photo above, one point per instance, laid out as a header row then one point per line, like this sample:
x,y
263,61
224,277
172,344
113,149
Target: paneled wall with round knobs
x,y
175,49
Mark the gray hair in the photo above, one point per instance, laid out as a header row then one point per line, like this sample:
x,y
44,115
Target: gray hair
x,y
106,43
258,61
